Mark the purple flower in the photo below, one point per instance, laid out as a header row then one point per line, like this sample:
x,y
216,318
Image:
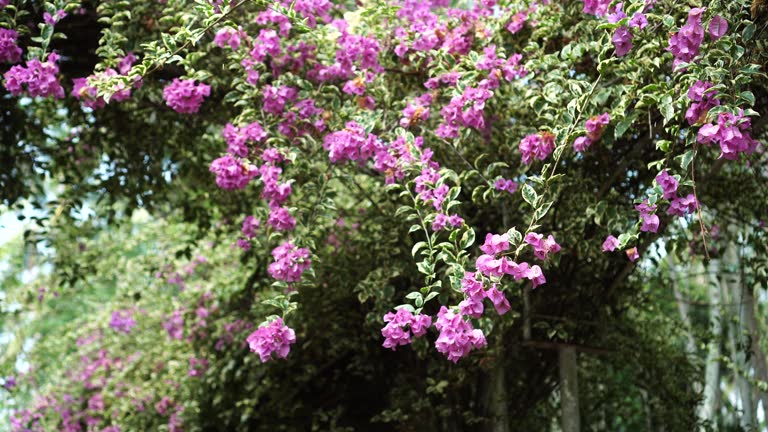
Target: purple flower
x,y
596,125
238,137
232,173
250,226
290,262
274,338
495,244
683,205
537,146
622,40
502,184
184,96
668,184
457,337
684,45
610,244
638,21
122,321
717,27
632,254
541,246
175,325
581,144
228,36
702,100
9,51
650,223
400,325
596,7
500,302
39,78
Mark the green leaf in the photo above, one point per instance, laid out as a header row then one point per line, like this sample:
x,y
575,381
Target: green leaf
x,y
529,194
686,158
417,247
622,126
748,32
467,239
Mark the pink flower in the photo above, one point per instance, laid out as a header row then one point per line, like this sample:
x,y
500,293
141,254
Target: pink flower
x,y
500,302
717,27
396,333
632,254
250,226
668,184
650,223
542,247
537,146
39,78
290,262
184,96
228,36
622,41
232,173
596,125
610,244
495,244
683,205
9,50
503,184
274,338
684,45
581,144
638,21
457,337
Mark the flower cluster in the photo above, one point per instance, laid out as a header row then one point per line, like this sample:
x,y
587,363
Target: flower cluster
x,y
684,45
539,146
237,138
668,184
457,336
542,247
731,132
85,90
175,325
595,127
489,264
232,173
229,36
9,51
38,77
650,221
290,262
185,96
596,7
474,292
273,338
122,321
400,325
703,101
350,144
502,184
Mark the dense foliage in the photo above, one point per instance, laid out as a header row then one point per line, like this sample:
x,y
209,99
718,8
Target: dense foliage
x,y
372,215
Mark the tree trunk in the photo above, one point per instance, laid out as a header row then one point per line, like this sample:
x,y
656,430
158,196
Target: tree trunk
x,y
569,390
682,307
711,402
498,402
736,337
